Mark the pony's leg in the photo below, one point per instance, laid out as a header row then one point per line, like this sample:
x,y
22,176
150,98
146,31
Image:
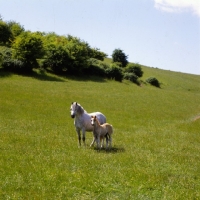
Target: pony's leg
x,y
92,144
83,137
79,136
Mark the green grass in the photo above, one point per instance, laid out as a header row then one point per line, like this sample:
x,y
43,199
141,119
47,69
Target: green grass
x,y
156,140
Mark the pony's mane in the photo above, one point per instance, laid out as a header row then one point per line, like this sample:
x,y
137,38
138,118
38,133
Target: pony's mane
x,y
81,109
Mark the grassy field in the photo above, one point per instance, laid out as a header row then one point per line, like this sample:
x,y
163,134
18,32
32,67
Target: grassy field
x,y
156,141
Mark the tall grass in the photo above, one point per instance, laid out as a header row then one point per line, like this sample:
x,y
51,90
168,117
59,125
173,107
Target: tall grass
x,y
156,140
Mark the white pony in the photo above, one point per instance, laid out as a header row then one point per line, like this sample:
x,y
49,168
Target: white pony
x,y
101,131
82,121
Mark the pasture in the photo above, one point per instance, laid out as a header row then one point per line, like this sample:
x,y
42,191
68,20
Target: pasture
x,y
156,140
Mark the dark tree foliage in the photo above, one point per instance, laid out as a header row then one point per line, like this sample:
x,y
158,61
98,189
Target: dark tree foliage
x,y
119,56
5,34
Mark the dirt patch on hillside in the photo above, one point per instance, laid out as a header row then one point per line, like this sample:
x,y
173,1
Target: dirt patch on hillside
x,y
197,117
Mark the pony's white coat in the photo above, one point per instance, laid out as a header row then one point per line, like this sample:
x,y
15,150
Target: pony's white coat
x,y
82,120
101,131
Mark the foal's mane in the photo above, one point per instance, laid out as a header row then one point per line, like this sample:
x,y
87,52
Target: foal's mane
x,y
95,117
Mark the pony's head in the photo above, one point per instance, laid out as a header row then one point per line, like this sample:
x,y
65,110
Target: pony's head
x,y
93,119
75,109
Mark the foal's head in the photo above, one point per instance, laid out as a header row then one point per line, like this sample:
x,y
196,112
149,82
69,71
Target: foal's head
x,y
93,120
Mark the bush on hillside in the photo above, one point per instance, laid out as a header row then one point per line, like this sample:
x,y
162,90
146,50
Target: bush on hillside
x,y
12,64
134,68
96,68
131,77
153,81
114,72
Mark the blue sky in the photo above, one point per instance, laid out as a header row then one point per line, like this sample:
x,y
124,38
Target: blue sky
x,y
157,33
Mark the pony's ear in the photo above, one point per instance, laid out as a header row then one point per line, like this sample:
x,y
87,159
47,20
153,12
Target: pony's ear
x,y
72,102
95,116
76,103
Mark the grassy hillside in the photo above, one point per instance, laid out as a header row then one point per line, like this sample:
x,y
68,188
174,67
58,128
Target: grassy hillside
x,y
156,138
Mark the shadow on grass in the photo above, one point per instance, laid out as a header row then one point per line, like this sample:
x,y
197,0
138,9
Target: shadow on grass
x,y
113,150
48,75
86,78
43,76
4,74
37,74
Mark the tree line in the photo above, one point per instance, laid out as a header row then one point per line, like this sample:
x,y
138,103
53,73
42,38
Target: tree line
x,y
21,51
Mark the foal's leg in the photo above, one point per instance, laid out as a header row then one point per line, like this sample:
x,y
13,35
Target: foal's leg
x,y
102,142
110,141
98,141
107,140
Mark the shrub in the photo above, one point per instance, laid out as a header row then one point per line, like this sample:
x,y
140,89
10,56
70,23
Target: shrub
x,y
131,77
134,68
94,70
95,67
153,81
12,64
114,72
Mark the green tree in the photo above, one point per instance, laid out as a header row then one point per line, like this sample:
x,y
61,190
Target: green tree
x,y
57,58
119,56
28,47
68,54
5,34
15,28
97,54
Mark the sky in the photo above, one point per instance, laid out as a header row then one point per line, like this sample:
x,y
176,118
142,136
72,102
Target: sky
x,y
163,34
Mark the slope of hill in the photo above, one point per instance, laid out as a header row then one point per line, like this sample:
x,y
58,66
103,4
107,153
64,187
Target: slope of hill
x,y
156,138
